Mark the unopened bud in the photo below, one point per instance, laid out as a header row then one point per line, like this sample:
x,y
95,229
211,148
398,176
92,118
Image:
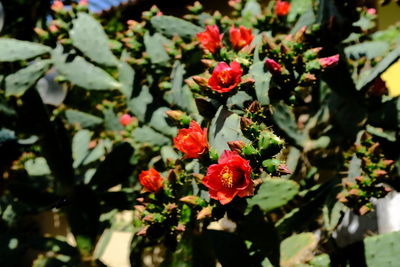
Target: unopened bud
x,y
329,62
175,115
282,168
57,6
271,165
249,150
202,82
273,66
192,200
254,107
245,122
236,146
204,213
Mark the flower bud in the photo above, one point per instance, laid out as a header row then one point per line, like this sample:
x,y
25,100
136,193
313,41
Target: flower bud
x,y
271,165
236,146
202,82
125,119
282,168
175,115
245,122
204,213
268,139
329,62
192,200
249,150
254,107
273,66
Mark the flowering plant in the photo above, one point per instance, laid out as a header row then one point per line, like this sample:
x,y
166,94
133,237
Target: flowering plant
x,y
230,139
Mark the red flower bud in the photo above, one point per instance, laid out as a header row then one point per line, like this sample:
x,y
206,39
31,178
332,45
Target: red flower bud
x,y
225,78
282,8
273,66
57,6
329,62
240,37
125,119
228,178
193,141
151,180
236,146
83,2
210,39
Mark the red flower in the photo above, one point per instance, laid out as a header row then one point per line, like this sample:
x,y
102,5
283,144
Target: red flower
x,y
193,141
273,66
240,37
151,180
329,62
211,39
224,78
228,178
125,119
282,8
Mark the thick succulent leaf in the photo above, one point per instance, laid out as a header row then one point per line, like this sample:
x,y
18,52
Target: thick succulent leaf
x,y
14,50
37,167
284,118
262,83
369,50
297,249
224,127
85,120
298,7
159,123
126,78
88,36
179,95
155,48
376,71
20,81
382,250
170,26
80,146
82,73
274,193
147,135
138,104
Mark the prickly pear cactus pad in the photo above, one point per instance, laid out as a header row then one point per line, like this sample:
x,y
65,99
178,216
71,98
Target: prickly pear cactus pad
x,y
240,133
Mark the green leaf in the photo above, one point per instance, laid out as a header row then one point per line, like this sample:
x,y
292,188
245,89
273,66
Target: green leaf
x,y
368,49
14,50
155,48
382,250
307,18
159,123
85,120
298,7
274,193
138,104
126,78
170,26
297,249
262,84
88,36
80,146
285,120
376,71
179,95
37,167
82,73
147,135
111,120
17,83
224,127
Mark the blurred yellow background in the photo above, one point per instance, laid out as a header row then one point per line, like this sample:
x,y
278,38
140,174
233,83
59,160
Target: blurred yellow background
x,y
388,15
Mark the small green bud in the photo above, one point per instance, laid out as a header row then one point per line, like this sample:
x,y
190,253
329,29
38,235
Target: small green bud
x,y
249,150
213,154
271,165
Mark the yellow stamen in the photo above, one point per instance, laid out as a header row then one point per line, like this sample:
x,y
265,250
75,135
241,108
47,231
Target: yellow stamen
x,y
226,177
